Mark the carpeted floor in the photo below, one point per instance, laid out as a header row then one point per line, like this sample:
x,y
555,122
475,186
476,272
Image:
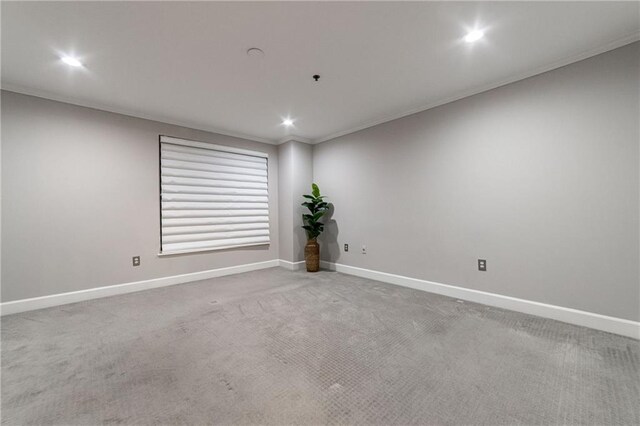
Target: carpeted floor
x,y
280,347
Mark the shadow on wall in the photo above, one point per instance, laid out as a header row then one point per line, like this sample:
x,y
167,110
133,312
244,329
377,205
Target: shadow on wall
x,y
329,247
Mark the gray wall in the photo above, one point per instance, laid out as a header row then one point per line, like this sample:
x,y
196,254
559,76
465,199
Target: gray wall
x,y
295,171
80,198
285,200
539,177
302,179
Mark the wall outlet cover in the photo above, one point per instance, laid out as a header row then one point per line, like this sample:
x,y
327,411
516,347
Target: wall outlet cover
x,y
482,265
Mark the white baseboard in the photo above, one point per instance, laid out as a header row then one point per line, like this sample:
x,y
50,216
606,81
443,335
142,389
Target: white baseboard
x,y
292,266
24,305
572,316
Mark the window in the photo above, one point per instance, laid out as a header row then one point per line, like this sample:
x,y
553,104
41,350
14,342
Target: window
x,y
212,197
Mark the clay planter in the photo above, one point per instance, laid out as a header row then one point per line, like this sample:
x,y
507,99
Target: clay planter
x,y
312,255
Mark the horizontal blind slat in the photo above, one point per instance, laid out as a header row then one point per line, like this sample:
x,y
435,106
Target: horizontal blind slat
x,y
209,183
213,213
212,236
183,189
212,153
201,221
170,171
215,198
205,159
216,244
189,205
187,165
203,229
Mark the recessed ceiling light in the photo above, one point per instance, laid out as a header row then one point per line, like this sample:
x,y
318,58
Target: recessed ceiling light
x,y
287,122
70,60
474,35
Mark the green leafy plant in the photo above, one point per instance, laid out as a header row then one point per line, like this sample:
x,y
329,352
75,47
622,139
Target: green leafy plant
x,y
317,208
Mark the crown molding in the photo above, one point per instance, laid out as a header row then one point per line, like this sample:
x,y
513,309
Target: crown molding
x,y
294,138
477,90
9,87
460,95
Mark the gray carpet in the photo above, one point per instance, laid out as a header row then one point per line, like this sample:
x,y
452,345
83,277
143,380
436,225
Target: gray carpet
x,y
280,347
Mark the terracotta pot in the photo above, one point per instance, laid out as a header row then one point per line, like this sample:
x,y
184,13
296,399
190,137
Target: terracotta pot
x,y
312,255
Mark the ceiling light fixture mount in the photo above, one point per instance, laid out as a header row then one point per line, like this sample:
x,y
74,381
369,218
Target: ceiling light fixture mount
x,y
316,77
474,35
255,52
287,122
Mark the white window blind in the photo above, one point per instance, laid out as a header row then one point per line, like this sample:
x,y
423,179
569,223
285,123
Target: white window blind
x,y
212,197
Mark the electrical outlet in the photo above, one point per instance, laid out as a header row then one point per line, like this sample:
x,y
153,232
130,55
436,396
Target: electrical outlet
x,y
482,265
136,260
364,249
346,247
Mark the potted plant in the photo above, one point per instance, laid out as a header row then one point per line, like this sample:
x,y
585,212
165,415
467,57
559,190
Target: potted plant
x,y
312,225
